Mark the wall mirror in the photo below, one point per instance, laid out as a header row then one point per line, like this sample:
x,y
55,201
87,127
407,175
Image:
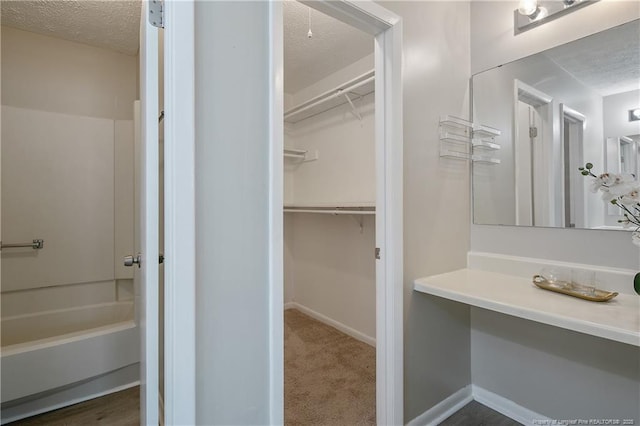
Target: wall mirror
x,y
557,110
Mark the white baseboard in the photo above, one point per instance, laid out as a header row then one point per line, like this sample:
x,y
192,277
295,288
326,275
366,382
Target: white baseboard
x,y
507,407
333,323
444,409
447,407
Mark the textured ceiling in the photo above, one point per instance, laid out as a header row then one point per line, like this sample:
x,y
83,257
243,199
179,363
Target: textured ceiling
x,y
608,62
113,24
334,45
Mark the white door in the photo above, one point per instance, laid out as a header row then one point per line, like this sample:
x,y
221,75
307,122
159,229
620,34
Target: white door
x,y
147,231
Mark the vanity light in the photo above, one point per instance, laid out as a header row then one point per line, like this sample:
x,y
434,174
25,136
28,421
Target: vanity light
x,y
531,10
634,114
527,7
532,13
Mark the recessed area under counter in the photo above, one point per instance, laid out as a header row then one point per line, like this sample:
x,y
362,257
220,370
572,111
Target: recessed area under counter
x,y
617,320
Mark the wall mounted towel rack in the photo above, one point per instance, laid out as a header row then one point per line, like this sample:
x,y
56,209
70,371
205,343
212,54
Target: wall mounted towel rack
x,y
35,244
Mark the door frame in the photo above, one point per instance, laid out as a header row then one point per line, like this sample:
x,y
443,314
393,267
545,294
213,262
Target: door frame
x,y
179,167
572,180
543,211
179,219
148,225
387,29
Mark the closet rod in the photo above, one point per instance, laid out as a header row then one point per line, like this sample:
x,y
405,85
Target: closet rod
x,y
334,212
339,92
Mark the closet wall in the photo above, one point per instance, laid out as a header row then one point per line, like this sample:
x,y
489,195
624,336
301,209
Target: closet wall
x,y
329,259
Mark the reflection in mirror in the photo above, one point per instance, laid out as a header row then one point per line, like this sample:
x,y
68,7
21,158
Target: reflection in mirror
x,y
559,109
621,157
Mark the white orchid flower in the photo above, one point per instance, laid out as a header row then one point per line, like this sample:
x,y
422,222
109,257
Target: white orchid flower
x,y
623,190
602,182
631,198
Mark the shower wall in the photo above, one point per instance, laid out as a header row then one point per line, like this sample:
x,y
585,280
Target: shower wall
x,y
67,172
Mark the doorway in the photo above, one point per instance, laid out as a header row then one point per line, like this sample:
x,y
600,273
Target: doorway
x,y
572,134
386,27
68,182
329,220
533,150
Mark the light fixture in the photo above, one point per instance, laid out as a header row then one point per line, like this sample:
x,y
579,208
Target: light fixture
x,y
531,10
634,114
532,13
527,7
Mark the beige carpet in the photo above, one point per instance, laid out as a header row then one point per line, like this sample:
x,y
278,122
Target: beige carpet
x,y
329,377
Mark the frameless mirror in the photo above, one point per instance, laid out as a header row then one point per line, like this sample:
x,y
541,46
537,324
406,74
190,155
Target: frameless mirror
x,y
558,110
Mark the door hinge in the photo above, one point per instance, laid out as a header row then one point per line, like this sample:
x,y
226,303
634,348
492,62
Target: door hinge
x,y
533,132
156,13
378,253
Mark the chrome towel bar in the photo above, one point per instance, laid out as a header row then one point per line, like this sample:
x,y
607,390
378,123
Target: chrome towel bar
x,y
35,244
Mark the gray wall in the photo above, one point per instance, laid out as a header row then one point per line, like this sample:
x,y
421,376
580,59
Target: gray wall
x,y
232,211
555,372
552,365
436,198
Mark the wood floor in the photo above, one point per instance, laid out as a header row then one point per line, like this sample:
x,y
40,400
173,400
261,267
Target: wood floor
x,y
117,409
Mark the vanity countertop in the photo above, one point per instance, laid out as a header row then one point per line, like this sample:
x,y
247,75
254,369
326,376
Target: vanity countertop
x,y
618,319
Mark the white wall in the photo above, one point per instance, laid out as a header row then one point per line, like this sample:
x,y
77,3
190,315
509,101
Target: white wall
x,y
58,185
436,198
616,114
345,172
68,172
541,383
339,77
55,75
334,268
232,212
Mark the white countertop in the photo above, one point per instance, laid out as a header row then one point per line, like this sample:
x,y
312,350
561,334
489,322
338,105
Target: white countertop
x,y
618,319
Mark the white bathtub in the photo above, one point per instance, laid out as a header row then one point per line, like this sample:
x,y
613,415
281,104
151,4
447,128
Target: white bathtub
x,y
56,349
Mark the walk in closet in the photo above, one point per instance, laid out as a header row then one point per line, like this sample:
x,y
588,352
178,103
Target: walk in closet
x,y
330,207
329,219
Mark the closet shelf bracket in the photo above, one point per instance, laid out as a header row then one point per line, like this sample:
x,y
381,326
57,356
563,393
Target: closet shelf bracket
x,y
354,110
303,155
360,220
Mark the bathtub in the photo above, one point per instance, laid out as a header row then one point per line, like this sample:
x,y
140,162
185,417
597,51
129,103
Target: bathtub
x,y
59,349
